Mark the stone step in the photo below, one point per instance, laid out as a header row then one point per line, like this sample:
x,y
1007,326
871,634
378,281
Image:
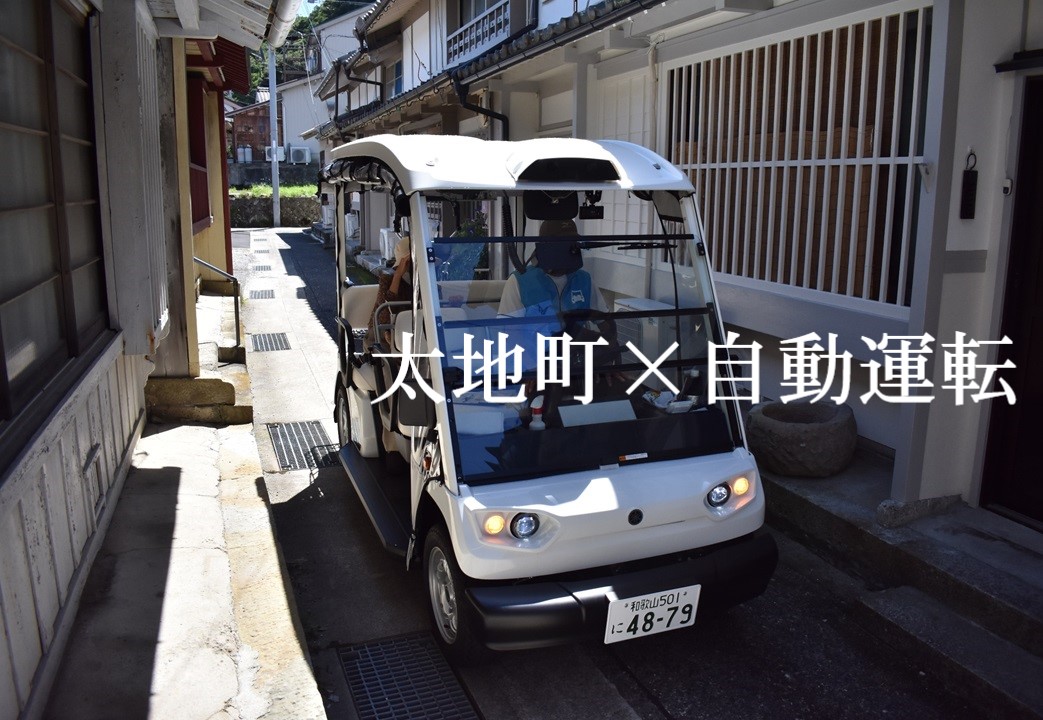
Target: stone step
x,y
991,673
844,529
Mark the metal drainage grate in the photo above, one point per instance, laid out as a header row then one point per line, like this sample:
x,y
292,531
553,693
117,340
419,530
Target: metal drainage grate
x,y
262,268
262,294
262,251
302,445
270,341
404,677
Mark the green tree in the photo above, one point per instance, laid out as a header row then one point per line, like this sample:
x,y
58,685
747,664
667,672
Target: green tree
x,y
290,58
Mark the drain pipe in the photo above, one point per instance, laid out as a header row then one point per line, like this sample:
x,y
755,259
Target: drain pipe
x,y
505,131
461,94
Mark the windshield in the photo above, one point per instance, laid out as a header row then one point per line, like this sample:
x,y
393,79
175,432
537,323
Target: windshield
x,y
575,343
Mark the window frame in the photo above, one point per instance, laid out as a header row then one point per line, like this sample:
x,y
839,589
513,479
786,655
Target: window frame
x,y
26,404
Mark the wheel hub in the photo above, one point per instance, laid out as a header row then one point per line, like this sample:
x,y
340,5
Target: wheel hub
x,y
443,595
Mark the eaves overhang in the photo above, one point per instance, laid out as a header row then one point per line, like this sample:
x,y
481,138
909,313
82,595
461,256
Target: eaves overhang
x,y
243,22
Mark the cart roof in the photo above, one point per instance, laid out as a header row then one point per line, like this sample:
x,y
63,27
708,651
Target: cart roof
x,y
453,162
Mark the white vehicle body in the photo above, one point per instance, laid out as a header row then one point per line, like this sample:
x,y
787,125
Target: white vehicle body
x,y
619,487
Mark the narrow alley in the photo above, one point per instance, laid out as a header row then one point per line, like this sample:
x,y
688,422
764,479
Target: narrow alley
x,y
797,651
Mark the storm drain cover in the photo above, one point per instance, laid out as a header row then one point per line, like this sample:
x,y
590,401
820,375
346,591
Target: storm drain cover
x,y
404,677
262,268
302,445
262,294
266,342
262,251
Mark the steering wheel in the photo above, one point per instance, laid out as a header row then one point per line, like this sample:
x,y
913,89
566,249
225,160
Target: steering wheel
x,y
577,325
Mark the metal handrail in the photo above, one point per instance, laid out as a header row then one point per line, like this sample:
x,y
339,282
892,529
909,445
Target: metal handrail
x,y
235,287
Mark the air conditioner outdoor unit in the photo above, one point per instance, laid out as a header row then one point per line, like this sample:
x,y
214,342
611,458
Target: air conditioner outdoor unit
x,y
651,335
268,154
654,335
300,155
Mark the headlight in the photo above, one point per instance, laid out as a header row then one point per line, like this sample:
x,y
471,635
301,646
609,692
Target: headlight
x,y
718,495
525,525
740,486
493,524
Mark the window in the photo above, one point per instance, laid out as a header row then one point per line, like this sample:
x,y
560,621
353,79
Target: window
x,y
393,84
197,166
805,155
470,9
52,279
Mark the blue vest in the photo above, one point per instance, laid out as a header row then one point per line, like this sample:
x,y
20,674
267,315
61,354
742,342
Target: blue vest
x,y
539,296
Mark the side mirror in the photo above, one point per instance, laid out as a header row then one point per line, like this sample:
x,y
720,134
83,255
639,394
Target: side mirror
x,y
418,411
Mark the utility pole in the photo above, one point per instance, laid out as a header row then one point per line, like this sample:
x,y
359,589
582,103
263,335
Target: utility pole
x,y
273,115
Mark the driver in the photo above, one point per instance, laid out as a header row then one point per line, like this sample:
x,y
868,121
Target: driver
x,y
557,283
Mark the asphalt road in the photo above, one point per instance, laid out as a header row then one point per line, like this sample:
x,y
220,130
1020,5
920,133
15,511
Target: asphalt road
x,y
795,652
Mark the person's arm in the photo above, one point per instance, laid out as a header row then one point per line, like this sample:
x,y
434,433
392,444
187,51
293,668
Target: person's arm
x,y
400,270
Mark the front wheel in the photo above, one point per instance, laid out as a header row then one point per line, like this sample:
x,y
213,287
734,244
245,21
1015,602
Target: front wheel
x,y
453,618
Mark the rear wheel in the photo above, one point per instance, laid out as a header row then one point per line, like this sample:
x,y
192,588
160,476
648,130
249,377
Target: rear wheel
x,y
452,616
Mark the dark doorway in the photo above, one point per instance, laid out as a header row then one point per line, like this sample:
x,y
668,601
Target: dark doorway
x,y
1011,479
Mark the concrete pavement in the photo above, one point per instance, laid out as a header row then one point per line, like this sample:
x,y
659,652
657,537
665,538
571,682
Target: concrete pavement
x,y
187,613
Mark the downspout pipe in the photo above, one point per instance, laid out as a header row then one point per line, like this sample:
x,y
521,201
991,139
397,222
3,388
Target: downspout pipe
x,y
462,90
461,94
505,126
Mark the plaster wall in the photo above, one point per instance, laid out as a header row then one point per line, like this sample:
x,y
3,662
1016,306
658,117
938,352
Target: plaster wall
x,y
338,38
416,53
988,121
302,111
556,108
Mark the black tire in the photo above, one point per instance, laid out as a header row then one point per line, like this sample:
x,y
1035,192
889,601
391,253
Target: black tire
x,y
342,414
455,626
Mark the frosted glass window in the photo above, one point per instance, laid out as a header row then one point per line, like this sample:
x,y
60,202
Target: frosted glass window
x,y
70,43
28,253
22,98
78,167
74,108
20,23
84,237
87,287
28,158
33,333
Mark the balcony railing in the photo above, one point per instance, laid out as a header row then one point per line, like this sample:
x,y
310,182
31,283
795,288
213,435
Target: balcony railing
x,y
480,34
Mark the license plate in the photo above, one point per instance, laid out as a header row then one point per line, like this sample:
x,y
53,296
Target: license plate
x,y
650,614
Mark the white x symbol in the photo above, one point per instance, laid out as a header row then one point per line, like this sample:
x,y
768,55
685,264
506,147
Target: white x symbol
x,y
653,367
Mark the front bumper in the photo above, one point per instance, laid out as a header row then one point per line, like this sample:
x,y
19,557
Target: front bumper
x,y
562,610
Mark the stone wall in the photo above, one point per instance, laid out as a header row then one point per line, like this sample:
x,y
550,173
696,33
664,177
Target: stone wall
x,y
260,173
257,212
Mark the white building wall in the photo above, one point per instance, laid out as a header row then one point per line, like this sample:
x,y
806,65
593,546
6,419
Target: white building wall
x,y
437,34
337,38
988,120
556,109
417,63
55,504
301,111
